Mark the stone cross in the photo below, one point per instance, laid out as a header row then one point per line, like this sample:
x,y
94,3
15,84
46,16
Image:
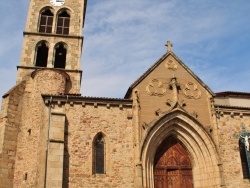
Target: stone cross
x,y
169,46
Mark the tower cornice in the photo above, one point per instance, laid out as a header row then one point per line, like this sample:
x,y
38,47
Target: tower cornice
x,y
53,35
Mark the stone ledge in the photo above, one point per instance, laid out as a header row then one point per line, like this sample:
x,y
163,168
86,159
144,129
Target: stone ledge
x,y
53,35
86,101
56,141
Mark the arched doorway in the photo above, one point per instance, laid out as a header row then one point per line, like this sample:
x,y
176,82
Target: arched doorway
x,y
192,136
172,166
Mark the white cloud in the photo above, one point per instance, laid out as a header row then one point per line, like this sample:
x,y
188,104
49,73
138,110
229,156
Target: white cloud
x,y
124,38
129,36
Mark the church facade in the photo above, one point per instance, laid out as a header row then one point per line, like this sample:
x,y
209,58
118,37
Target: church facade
x,y
169,131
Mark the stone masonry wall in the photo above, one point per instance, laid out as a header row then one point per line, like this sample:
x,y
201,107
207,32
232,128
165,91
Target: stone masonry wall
x,y
73,50
72,42
55,81
229,128
31,142
54,170
9,127
72,85
75,7
72,60
83,123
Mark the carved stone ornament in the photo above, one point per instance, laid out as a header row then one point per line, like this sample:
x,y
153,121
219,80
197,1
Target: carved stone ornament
x,y
156,88
175,86
136,99
171,65
245,137
191,91
195,114
145,126
159,112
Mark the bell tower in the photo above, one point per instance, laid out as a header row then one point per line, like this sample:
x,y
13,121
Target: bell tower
x,y
50,64
53,40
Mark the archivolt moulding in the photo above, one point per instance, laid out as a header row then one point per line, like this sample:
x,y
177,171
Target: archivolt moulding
x,y
194,138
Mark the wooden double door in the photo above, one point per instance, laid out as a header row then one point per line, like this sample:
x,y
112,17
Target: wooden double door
x,y
172,166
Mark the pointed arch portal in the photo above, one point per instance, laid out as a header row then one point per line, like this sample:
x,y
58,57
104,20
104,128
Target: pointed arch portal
x,y
172,166
178,132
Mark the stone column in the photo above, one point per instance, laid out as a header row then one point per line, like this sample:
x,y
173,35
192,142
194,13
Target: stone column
x,y
54,172
137,138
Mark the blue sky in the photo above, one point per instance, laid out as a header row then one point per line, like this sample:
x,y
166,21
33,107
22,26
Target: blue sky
x,y
124,38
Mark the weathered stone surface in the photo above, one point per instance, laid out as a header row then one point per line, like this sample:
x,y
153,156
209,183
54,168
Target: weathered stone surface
x,y
47,131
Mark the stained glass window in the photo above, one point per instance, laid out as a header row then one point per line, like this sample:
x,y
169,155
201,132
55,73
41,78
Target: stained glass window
x,y
99,155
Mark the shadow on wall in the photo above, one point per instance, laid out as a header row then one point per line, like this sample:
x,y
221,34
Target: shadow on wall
x,y
68,86
66,157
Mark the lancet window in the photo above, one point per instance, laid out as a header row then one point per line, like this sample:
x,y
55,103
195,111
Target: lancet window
x,y
42,50
63,22
99,154
46,21
60,56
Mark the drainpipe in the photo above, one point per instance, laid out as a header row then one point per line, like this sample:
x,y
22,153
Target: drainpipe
x,y
47,144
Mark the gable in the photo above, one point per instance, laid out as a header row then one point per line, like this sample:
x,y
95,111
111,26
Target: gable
x,y
157,92
168,65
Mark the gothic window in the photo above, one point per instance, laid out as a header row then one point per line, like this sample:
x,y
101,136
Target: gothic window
x,y
63,21
99,154
60,56
42,54
46,21
245,159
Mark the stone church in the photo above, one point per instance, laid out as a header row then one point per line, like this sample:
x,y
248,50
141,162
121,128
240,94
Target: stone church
x,y
169,131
